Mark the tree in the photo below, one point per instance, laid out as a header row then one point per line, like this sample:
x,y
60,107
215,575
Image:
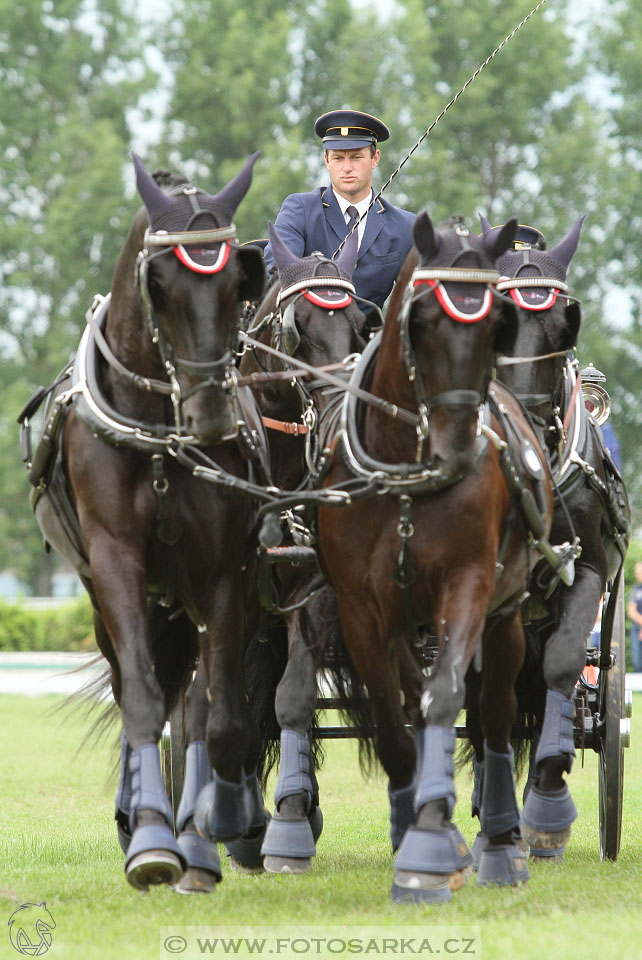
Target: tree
x,y
68,75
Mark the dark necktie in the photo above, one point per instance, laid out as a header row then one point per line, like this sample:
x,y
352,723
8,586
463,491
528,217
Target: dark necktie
x,y
352,243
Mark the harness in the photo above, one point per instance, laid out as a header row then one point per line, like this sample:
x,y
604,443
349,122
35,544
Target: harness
x,y
575,429
517,457
209,373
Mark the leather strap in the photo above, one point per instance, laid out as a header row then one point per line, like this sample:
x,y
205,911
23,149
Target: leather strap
x,y
292,429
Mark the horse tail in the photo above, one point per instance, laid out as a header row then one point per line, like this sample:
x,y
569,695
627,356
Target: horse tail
x,y
530,692
174,652
266,657
344,683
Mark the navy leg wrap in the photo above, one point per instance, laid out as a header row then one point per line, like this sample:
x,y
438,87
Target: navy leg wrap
x,y
499,812
402,813
148,793
557,733
225,810
198,772
124,796
246,850
148,789
437,770
294,768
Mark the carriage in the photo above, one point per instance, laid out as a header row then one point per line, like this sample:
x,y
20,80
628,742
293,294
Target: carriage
x,y
192,372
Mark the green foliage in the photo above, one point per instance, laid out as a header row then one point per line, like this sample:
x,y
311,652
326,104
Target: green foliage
x,y
68,77
530,136
66,628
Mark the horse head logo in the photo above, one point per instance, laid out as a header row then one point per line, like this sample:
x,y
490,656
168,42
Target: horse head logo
x,y
30,929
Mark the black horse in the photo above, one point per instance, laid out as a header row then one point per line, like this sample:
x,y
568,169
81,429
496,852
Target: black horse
x,y
161,552
443,550
311,315
590,504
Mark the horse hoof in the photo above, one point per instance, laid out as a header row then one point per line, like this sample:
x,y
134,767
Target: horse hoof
x,y
287,864
545,845
504,865
244,868
546,822
245,853
411,887
195,880
152,868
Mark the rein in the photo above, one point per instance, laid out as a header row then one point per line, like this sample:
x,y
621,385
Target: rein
x,y
391,409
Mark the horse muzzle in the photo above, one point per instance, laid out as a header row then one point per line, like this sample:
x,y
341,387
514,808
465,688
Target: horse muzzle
x,y
211,416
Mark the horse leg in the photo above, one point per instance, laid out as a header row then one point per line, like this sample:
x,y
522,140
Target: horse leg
x,y
473,729
122,803
433,859
504,858
203,863
153,856
549,809
290,840
230,806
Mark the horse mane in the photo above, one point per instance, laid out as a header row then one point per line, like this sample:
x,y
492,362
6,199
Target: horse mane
x,y
165,179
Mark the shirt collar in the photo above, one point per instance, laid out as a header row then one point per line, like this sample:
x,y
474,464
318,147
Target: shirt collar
x,y
362,206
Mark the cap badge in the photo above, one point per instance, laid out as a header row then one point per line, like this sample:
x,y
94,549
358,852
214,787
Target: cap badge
x,y
344,131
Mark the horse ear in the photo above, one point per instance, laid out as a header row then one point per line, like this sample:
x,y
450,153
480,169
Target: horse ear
x,y
427,239
565,250
499,240
152,196
485,225
573,323
506,331
283,256
231,195
252,283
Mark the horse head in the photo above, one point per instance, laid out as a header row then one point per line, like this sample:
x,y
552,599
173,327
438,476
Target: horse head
x,y
315,317
192,277
548,321
452,325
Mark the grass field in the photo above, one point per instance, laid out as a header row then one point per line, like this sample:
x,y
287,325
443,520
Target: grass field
x,y
58,844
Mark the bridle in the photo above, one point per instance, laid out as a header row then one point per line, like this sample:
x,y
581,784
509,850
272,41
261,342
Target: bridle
x,y
209,373
430,280
536,305
330,293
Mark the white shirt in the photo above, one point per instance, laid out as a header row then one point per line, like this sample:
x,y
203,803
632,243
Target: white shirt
x,y
362,206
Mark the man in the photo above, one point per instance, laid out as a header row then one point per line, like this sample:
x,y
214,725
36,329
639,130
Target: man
x,y
320,220
634,613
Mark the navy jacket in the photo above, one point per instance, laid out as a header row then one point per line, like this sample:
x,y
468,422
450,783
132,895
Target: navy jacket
x,y
313,221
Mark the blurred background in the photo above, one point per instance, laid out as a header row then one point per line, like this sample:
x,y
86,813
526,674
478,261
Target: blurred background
x,y
550,130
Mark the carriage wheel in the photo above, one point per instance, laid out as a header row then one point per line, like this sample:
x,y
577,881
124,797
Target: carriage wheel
x,y
173,755
612,733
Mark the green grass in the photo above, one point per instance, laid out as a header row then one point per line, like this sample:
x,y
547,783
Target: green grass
x,y
58,844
